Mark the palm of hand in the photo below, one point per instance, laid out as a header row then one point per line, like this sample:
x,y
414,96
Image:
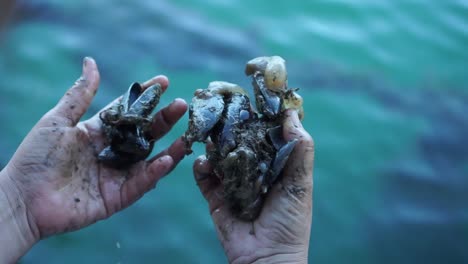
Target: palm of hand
x,y
275,233
57,171
70,188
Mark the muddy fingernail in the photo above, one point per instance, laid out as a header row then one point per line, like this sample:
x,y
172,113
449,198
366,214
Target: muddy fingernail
x,y
202,168
85,61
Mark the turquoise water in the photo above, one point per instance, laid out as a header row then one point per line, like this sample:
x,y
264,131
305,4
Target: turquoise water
x,y
385,85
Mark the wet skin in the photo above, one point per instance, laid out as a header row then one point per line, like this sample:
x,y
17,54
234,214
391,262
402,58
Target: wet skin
x,y
55,183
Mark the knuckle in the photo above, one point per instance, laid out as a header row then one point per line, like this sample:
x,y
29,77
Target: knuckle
x,y
81,82
307,140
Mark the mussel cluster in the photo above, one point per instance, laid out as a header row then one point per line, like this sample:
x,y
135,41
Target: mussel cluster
x,y
127,126
249,150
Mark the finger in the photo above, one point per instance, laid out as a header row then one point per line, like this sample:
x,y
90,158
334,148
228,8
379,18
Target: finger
x,y
294,191
290,199
209,184
166,118
145,180
161,79
301,161
77,99
212,190
176,151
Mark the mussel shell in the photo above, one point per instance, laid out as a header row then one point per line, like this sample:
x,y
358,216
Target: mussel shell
x,y
204,113
224,134
130,96
267,102
276,75
146,101
127,126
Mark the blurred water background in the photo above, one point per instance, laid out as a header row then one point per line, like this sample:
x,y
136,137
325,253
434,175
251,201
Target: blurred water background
x,y
385,85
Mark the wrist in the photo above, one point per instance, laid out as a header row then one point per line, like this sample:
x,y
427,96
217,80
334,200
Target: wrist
x,y
16,234
283,259
298,257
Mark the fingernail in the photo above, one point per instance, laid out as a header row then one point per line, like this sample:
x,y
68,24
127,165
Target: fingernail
x,y
85,61
201,171
179,100
164,158
161,165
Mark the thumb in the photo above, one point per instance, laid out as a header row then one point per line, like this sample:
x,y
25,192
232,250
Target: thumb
x,y
293,193
298,170
77,99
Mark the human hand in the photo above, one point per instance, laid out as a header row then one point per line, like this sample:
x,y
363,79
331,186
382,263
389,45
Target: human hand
x,y
55,175
281,232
